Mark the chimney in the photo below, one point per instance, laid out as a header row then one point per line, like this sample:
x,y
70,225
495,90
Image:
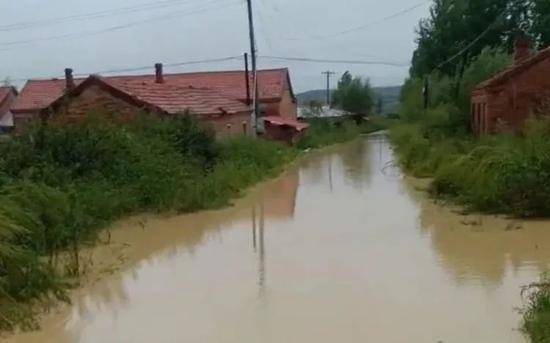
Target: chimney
x,y
522,48
159,76
69,80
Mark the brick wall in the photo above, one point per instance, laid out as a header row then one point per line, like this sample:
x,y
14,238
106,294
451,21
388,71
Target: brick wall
x,y
95,100
512,103
287,107
229,125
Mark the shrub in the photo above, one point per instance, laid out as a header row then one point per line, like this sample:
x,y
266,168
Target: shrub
x,y
59,185
536,316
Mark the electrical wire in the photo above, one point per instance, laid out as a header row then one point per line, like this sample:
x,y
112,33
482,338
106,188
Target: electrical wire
x,y
365,26
362,27
134,69
472,43
334,61
93,15
223,59
170,65
172,15
263,28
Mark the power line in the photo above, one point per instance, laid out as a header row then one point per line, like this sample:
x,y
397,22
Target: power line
x,y
217,60
364,26
472,43
171,65
173,15
134,69
93,15
335,61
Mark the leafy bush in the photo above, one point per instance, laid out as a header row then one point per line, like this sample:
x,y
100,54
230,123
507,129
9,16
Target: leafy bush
x,y
354,95
59,185
503,173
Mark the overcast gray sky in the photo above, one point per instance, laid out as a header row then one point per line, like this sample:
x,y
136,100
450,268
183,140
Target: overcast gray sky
x,y
172,31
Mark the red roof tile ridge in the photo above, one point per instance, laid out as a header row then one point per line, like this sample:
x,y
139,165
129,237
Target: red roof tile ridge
x,y
192,73
514,68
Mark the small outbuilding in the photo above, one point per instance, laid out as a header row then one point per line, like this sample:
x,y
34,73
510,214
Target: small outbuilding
x,y
505,101
284,129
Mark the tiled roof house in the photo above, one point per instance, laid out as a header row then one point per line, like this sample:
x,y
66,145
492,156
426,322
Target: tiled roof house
x,y
220,97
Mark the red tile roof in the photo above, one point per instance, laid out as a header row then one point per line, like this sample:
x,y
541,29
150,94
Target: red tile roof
x,y
514,69
161,97
282,121
39,94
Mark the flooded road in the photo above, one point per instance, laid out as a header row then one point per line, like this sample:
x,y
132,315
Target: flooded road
x,y
341,248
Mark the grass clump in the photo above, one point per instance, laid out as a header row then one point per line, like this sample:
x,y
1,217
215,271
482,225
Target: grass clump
x,y
505,173
536,316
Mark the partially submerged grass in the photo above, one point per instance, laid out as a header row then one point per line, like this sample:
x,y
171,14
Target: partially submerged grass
x,y
323,132
504,173
61,185
536,316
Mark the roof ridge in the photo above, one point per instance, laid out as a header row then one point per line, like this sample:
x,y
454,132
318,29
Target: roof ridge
x,y
152,74
513,68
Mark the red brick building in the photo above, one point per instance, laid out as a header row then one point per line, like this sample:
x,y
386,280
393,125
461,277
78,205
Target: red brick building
x,y
507,99
218,97
7,98
284,129
124,99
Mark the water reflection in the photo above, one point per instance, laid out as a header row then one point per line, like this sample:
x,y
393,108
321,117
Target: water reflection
x,y
336,250
483,248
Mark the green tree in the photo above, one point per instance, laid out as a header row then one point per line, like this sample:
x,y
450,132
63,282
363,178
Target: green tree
x,y
488,63
466,27
541,21
354,94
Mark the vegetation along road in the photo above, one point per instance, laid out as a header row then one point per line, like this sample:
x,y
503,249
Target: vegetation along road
x,y
280,266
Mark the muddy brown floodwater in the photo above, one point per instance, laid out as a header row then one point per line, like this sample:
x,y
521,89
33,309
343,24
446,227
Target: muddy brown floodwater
x,y
341,248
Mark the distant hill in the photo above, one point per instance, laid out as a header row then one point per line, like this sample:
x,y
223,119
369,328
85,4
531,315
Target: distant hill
x,y
390,97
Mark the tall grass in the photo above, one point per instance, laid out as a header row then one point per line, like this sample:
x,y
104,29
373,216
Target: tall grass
x,y
323,132
499,174
536,316
504,173
60,185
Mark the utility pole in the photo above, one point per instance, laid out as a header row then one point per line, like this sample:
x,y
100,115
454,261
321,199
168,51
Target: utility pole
x,y
426,92
254,68
328,73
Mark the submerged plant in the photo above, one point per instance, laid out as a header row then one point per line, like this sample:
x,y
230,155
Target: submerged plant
x,y
536,316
